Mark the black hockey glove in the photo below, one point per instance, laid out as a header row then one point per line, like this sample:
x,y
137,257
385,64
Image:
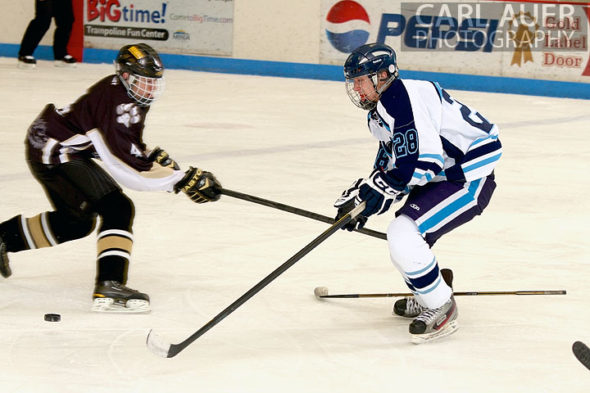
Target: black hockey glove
x,y
356,223
377,193
346,202
161,157
199,185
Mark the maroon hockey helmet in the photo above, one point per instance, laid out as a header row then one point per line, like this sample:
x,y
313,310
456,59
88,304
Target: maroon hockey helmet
x,y
141,71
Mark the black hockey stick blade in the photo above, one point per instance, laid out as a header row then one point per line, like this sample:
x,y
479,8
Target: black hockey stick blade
x,y
164,349
295,210
582,353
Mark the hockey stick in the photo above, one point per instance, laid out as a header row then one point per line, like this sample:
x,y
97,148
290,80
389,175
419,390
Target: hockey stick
x,y
158,346
322,293
295,210
582,353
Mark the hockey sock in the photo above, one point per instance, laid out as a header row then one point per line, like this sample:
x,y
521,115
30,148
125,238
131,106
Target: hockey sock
x,y
412,256
114,251
43,230
115,239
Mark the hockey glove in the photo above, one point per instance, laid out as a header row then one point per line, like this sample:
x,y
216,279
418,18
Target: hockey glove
x,y
377,193
346,203
199,185
161,157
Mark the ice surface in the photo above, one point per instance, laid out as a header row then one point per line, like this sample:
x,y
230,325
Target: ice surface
x,y
298,142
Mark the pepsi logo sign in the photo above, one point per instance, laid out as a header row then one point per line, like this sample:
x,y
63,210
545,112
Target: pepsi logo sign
x,y
347,25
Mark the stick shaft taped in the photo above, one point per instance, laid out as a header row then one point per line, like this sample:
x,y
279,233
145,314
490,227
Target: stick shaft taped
x,y
471,293
295,210
164,349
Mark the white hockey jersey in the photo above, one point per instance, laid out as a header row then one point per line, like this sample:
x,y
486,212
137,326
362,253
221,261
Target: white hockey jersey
x,y
426,135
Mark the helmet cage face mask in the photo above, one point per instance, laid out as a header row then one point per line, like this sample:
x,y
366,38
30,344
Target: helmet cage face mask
x,y
143,89
141,72
372,60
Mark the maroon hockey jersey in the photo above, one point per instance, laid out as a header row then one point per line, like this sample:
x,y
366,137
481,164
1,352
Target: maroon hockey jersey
x,y
106,122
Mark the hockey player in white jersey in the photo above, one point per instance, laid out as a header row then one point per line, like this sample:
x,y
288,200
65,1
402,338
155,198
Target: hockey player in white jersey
x,y
437,153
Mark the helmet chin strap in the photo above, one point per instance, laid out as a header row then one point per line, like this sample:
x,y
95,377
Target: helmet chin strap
x,y
375,79
387,83
123,80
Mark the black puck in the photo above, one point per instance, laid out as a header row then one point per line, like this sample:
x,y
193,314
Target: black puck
x,y
52,317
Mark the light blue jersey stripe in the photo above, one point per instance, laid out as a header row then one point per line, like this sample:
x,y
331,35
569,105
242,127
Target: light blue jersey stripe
x,y
482,163
479,141
438,89
419,176
451,208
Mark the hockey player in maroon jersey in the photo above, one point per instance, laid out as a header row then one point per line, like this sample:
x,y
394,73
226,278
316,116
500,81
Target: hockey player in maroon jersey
x,y
107,124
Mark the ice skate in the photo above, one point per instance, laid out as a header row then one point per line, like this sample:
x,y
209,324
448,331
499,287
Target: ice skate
x,y
435,323
66,61
112,296
4,265
26,62
409,307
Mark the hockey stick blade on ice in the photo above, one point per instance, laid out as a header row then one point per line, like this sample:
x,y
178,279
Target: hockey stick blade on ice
x,y
582,353
322,293
295,210
162,348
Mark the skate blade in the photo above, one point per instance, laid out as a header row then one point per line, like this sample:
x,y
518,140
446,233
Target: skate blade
x,y
451,328
133,306
26,66
61,64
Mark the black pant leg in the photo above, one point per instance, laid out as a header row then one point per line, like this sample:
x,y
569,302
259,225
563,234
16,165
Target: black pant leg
x,y
73,189
64,19
37,27
75,186
87,189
